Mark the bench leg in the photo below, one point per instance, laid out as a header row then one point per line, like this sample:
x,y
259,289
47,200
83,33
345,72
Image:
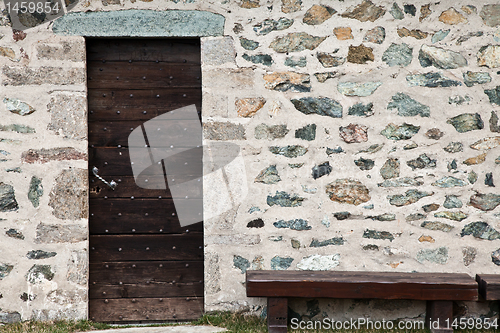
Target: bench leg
x,y
277,314
437,314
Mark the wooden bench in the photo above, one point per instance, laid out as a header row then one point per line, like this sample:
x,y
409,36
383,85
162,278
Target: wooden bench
x,y
438,289
489,286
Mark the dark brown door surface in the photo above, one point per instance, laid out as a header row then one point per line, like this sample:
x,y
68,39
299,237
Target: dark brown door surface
x,y
143,265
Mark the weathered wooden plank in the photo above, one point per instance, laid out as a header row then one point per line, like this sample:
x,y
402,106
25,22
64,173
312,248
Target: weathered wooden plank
x,y
144,309
361,276
108,226
360,290
139,105
146,247
127,188
116,162
146,279
121,106
277,309
114,133
439,314
141,272
127,216
152,289
489,286
381,285
159,97
164,50
142,75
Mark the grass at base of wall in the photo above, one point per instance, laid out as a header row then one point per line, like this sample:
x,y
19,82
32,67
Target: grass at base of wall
x,y
234,322
238,323
62,326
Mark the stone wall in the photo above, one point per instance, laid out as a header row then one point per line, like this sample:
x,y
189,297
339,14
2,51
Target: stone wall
x,y
369,131
43,176
370,135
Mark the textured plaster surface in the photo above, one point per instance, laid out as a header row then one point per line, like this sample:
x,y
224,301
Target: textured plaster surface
x,y
376,235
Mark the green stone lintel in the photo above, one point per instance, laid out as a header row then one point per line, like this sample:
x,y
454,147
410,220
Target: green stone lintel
x,y
140,23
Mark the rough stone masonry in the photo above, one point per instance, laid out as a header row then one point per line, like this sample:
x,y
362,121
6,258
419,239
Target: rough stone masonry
x,y
369,129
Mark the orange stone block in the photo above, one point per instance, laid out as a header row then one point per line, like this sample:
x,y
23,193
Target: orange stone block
x,y
343,33
451,17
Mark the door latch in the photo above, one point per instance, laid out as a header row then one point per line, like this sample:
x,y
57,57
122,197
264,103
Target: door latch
x,y
111,184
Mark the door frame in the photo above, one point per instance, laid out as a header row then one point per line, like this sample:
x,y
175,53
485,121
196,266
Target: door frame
x,y
165,24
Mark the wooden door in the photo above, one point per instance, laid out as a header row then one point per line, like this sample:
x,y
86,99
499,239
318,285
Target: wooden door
x,y
143,265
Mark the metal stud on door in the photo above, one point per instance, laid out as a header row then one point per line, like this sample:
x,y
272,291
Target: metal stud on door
x,y
143,265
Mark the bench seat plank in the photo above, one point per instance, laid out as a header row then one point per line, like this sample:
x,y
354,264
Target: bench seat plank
x,y
489,286
378,285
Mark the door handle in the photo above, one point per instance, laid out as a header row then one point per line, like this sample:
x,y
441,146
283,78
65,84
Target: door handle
x,y
111,184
